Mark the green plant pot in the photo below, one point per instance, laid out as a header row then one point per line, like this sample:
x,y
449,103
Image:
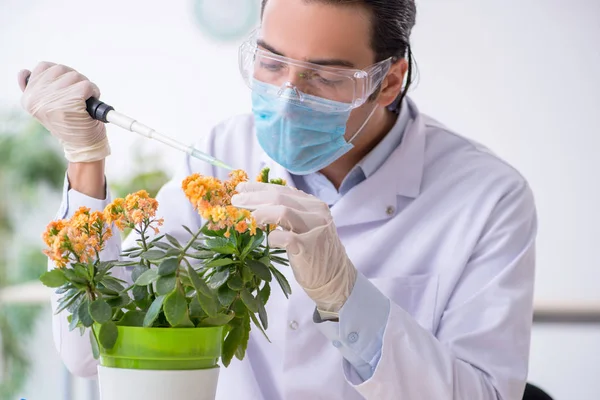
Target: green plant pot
x,y
164,348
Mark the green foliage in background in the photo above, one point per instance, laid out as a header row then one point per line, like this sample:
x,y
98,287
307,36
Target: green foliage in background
x,y
28,159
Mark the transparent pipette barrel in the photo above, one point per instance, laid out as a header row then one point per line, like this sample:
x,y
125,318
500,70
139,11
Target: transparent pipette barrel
x,y
132,125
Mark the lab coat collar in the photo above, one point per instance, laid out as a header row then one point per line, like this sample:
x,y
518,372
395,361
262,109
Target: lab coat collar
x,y
375,198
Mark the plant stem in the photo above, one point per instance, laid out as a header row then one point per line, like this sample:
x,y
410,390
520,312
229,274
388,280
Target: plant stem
x,y
146,262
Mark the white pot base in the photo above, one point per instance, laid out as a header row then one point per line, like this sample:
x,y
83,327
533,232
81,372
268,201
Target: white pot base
x,y
134,384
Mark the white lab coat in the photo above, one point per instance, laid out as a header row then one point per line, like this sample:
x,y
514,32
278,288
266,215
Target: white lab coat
x,y
444,229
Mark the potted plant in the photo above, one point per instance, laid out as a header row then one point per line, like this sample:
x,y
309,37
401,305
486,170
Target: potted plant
x,y
189,306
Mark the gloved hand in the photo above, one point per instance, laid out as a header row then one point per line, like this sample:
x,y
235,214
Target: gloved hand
x,y
316,254
55,96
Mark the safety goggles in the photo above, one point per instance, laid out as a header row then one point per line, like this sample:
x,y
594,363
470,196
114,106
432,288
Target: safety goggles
x,y
311,85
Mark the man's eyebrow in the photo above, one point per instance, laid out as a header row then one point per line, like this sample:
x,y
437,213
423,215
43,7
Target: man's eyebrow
x,y
334,62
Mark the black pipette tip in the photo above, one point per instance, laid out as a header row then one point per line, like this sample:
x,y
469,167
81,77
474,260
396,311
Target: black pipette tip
x,y
96,108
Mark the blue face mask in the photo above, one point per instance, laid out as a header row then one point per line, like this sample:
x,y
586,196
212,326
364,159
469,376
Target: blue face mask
x,y
299,138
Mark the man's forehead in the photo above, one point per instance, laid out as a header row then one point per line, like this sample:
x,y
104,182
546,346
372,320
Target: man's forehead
x,y
316,30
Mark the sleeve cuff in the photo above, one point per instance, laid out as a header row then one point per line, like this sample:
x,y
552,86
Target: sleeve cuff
x,y
72,200
359,333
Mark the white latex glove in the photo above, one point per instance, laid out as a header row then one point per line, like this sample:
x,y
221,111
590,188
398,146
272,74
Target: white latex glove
x,y
316,254
55,96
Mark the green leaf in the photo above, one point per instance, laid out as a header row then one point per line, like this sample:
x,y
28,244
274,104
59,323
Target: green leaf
x,y
67,302
72,276
199,283
265,293
104,266
235,282
84,314
247,274
277,251
74,307
185,280
257,324
218,279
262,312
100,311
220,245
166,284
173,241
279,260
175,307
63,289
130,249
218,320
156,239
108,335
195,308
168,266
260,270
74,321
147,278
132,318
208,304
249,300
285,286
153,255
231,343
139,292
54,278
240,352
163,245
137,271
106,292
153,311
202,254
219,262
82,271
186,322
118,302
112,283
188,230
226,295
173,252
94,343
254,243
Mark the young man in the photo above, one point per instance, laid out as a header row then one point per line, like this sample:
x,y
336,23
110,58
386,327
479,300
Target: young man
x,y
411,248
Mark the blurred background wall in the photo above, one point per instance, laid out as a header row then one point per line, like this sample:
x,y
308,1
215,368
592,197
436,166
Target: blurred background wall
x,y
520,76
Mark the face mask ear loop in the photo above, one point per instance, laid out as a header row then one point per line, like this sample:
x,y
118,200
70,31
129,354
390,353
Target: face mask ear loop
x,y
363,125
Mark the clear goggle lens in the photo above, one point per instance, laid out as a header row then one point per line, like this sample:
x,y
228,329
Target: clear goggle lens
x,y
311,85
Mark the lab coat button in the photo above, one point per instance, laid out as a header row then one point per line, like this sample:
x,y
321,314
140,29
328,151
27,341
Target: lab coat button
x,y
337,343
293,325
390,210
353,337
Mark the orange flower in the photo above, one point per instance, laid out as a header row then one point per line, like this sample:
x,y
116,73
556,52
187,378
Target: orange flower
x,y
78,239
212,199
136,209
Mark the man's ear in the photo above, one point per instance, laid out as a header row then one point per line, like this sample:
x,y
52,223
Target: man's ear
x,y
391,86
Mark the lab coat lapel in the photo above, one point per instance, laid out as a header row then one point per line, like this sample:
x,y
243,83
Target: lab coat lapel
x,y
375,198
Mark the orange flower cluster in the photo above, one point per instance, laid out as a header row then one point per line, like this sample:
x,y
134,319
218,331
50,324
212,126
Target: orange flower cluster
x,y
134,210
212,199
77,239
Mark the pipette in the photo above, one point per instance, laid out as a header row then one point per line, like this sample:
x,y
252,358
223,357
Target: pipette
x,y
105,113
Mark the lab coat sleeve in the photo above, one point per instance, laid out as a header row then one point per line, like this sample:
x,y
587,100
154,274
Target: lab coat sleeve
x,y
74,349
480,349
366,311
